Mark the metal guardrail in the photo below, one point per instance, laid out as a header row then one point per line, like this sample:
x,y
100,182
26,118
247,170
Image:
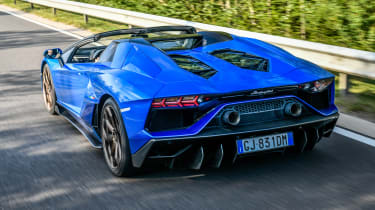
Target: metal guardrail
x,y
345,61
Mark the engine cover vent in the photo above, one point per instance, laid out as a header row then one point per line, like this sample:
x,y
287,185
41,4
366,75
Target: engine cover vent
x,y
242,59
193,65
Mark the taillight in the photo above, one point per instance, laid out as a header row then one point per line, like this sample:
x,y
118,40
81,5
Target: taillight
x,y
190,101
316,86
158,103
180,101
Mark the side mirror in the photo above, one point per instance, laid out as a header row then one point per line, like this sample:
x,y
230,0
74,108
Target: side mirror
x,y
54,54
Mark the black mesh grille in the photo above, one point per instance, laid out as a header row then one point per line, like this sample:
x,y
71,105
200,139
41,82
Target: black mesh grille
x,y
317,100
264,106
170,119
258,112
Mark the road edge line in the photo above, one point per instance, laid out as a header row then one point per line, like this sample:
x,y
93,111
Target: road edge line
x,y
42,24
354,136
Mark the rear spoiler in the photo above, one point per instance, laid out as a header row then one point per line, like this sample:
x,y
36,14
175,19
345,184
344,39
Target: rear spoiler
x,y
187,29
135,31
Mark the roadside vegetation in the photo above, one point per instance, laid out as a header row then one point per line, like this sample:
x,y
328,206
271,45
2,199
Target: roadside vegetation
x,y
337,22
93,25
360,100
347,23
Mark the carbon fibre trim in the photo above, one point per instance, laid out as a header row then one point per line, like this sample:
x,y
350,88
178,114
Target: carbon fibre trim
x,y
139,157
90,134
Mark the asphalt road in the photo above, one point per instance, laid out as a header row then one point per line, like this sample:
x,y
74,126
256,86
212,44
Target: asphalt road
x,y
46,163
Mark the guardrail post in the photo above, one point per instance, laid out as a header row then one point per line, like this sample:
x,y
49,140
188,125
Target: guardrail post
x,y
85,18
54,11
343,84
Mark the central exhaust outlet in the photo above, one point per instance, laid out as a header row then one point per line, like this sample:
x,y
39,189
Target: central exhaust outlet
x,y
231,117
293,109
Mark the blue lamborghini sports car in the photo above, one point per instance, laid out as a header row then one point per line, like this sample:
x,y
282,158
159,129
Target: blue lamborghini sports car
x,y
187,98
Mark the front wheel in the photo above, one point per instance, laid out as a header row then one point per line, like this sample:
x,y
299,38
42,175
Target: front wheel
x,y
115,143
49,95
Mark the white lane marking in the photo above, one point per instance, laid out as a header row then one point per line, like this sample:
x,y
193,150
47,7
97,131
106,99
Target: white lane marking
x,y
44,25
338,130
355,136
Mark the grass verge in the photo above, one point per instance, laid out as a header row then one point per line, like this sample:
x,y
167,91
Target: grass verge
x,y
94,24
360,100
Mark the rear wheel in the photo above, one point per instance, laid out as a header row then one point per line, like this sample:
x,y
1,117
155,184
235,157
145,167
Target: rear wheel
x,y
115,143
49,95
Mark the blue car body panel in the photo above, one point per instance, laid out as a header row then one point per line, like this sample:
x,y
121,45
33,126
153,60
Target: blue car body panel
x,y
139,73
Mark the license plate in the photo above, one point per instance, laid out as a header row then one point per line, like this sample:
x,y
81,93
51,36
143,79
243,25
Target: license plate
x,y
261,143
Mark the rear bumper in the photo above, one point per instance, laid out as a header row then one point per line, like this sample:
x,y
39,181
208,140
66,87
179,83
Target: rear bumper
x,y
306,131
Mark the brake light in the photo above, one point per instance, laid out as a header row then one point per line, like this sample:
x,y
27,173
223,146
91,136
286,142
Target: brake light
x,y
181,101
316,86
158,103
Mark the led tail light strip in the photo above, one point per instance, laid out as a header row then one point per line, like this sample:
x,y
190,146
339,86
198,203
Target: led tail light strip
x,y
182,101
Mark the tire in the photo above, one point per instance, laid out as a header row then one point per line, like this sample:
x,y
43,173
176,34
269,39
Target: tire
x,y
49,95
115,142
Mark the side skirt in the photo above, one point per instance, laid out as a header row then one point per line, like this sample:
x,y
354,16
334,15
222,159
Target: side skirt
x,y
89,133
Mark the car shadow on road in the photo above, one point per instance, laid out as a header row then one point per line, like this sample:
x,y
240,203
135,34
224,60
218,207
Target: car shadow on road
x,y
31,38
76,176
20,83
242,167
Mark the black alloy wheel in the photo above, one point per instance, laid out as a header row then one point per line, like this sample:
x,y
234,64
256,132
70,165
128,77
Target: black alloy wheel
x,y
115,144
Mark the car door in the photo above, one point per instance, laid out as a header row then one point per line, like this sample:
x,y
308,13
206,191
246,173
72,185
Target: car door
x,y
73,77
78,82
71,86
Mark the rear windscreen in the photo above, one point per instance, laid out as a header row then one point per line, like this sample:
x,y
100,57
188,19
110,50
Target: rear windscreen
x,y
168,44
242,59
193,65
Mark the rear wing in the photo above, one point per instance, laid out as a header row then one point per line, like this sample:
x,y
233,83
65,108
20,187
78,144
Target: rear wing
x,y
132,31
140,31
